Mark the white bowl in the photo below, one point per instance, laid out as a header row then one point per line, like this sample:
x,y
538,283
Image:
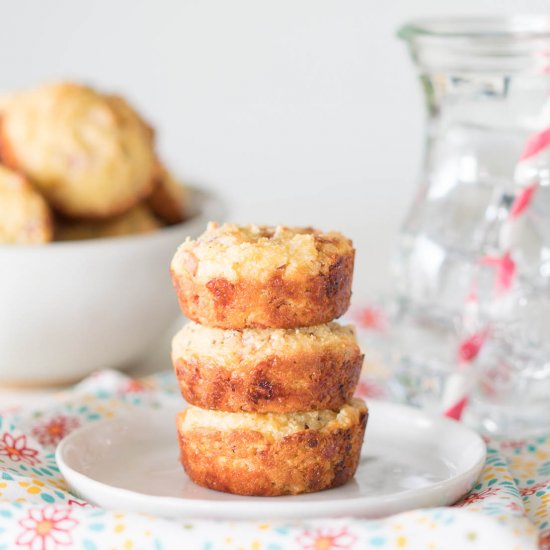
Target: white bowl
x,y
69,308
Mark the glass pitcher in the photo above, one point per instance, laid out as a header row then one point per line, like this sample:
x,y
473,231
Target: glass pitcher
x,y
471,324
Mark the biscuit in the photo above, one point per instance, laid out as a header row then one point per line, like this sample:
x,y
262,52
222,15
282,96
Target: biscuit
x,y
125,110
257,276
272,454
136,221
5,100
267,370
90,156
25,217
169,200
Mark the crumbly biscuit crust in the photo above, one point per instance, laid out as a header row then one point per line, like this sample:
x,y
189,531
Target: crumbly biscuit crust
x,y
259,455
267,370
259,276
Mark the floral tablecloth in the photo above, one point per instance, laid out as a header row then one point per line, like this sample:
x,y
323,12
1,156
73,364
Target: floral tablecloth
x,y
508,509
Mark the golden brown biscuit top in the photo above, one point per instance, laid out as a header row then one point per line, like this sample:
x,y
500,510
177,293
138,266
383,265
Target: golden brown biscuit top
x,y
127,112
229,347
277,425
24,214
257,252
61,104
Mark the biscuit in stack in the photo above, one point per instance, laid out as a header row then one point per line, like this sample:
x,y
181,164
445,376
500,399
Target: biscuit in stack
x,y
269,376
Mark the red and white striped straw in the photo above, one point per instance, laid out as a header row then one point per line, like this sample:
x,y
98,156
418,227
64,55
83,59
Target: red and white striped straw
x,y
459,385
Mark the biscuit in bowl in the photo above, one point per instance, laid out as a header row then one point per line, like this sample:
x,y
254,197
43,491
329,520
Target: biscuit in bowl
x,y
267,370
272,454
169,199
137,221
88,155
126,111
25,217
252,276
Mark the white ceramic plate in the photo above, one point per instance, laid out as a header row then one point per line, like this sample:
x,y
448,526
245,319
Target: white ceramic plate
x,y
409,460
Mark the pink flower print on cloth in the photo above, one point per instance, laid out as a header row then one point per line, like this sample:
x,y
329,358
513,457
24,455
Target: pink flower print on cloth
x,y
17,450
50,432
326,539
46,528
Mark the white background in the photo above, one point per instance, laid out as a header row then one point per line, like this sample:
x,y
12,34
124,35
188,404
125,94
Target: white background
x,y
296,111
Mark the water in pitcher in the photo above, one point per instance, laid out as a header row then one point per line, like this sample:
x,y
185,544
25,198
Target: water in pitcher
x,y
465,263
435,278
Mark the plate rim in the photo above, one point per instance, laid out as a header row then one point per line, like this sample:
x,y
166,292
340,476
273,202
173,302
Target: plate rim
x,y
337,507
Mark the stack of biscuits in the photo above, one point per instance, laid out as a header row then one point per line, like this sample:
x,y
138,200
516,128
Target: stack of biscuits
x,y
267,373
